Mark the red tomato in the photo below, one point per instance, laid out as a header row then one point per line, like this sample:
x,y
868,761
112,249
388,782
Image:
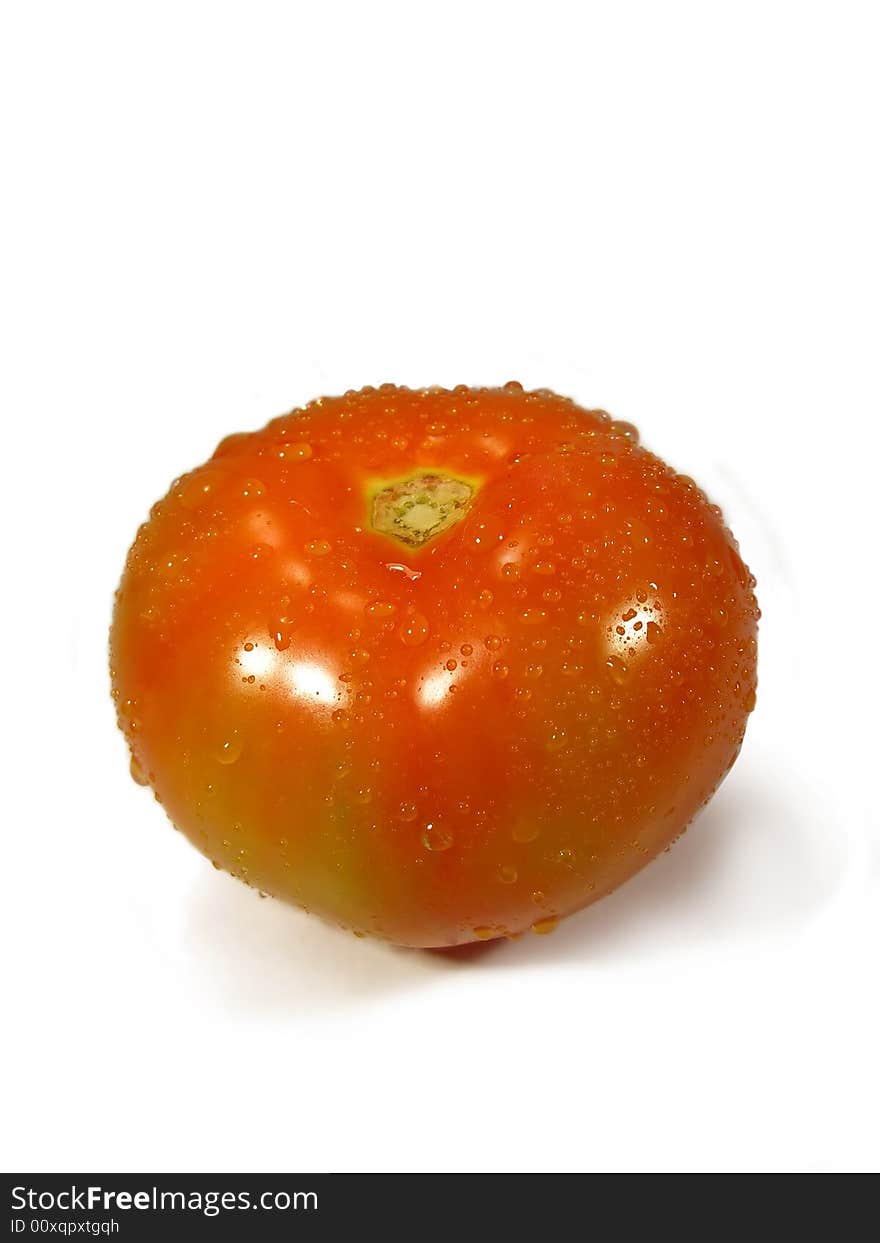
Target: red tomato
x,y
438,665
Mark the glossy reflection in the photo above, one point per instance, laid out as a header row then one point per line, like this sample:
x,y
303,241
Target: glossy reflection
x,y
311,682
257,659
632,629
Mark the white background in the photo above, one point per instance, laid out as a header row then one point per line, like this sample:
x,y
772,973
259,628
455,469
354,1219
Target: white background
x,y
214,212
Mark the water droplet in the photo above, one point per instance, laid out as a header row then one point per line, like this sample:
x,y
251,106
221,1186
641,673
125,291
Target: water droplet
x,y
543,926
533,617
137,773
362,796
281,635
466,649
198,488
407,812
318,547
653,632
253,489
485,598
507,874
538,897
299,452
436,838
412,575
359,657
617,669
414,630
500,670
451,664
545,567
558,740
485,934
627,430
230,750
493,643
380,608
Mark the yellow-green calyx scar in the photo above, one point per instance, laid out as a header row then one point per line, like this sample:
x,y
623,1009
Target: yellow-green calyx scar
x,y
414,510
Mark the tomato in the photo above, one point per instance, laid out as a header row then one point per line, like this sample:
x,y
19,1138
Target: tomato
x,y
440,666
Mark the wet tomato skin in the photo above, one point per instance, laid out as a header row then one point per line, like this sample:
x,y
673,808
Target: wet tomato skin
x,y
451,730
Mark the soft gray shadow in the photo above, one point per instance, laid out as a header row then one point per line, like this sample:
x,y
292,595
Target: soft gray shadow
x,y
260,956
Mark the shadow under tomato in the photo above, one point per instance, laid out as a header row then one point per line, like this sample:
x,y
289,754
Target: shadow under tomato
x,y
265,957
464,955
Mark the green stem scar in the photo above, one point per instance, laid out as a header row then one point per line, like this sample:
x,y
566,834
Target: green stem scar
x,y
414,510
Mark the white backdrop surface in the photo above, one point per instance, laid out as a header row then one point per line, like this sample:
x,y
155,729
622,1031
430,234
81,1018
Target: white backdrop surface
x,y
215,212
